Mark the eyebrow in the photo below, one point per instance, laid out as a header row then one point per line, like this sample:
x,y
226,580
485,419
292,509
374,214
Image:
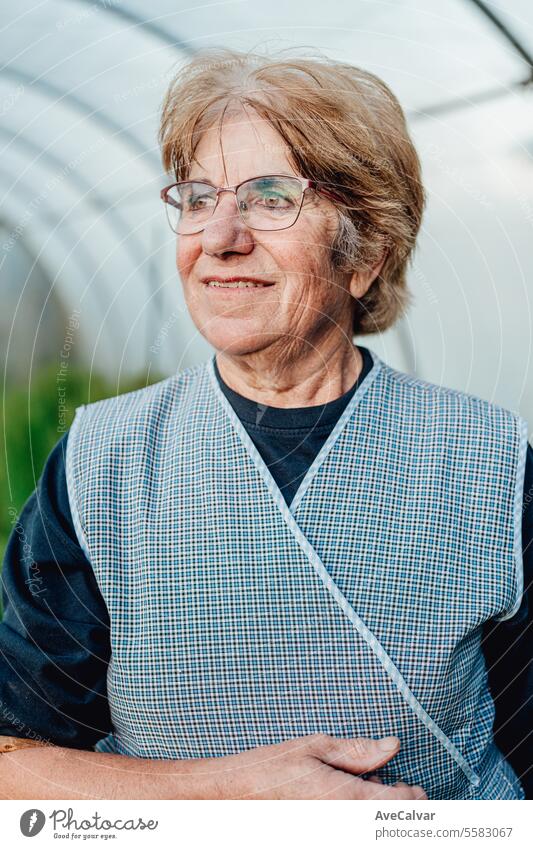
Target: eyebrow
x,y
272,173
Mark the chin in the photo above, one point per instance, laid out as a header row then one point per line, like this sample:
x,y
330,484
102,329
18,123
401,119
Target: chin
x,y
235,340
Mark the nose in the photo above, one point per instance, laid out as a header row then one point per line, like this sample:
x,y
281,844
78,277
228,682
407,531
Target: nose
x,y
225,231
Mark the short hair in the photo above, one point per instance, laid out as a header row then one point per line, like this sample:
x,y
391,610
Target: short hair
x,y
342,125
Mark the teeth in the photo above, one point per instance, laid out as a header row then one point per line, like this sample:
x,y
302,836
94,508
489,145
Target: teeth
x,y
237,284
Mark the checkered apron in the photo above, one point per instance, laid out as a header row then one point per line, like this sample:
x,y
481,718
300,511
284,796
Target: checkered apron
x,y
238,621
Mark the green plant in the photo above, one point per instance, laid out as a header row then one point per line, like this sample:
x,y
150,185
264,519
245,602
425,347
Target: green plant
x,y
32,424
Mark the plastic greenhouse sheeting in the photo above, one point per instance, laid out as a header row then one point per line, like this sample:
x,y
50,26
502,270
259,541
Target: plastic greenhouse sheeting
x,y
80,91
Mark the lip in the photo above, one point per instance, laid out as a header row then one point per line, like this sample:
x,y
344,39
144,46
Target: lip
x,y
234,279
223,292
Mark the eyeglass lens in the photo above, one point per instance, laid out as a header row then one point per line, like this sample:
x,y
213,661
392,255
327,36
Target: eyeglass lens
x,y
266,203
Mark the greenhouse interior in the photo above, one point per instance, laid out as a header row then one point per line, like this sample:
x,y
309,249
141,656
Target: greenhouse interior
x,y
92,302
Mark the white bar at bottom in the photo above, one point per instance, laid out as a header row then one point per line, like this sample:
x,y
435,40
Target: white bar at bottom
x,y
267,824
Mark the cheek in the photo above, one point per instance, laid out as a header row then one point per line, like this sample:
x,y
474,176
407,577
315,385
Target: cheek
x,y
186,255
308,249
300,254
311,271
315,290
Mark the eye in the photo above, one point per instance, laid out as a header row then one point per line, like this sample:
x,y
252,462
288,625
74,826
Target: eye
x,y
270,202
272,194
196,197
276,201
197,202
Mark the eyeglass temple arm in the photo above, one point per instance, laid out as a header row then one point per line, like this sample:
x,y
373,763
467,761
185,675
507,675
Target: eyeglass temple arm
x,y
319,187
167,198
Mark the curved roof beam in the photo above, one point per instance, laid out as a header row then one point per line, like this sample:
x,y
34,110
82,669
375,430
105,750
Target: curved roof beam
x,y
82,258
150,26
491,94
54,93
51,221
507,34
118,223
86,188
457,104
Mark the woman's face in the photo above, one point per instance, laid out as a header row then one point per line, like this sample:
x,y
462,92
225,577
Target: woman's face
x,y
306,298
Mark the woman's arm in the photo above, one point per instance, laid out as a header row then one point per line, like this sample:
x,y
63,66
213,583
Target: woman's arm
x,y
52,772
54,637
312,767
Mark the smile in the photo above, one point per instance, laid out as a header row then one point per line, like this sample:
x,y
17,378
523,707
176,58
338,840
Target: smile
x,y
237,284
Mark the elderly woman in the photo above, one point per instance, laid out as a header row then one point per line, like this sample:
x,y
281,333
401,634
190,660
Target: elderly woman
x,y
283,559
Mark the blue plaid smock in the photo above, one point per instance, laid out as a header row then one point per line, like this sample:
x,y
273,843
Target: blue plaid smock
x,y
237,621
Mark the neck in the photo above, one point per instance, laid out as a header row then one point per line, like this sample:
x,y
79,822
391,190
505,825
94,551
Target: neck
x,y
317,377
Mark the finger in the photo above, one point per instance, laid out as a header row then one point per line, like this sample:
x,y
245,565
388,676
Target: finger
x,y
386,792
356,754
419,792
375,778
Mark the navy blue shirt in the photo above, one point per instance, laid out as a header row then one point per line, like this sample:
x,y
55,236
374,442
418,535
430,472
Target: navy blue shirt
x,y
54,638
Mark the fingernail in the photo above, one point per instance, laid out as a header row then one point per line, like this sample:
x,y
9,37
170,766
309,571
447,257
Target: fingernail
x,y
387,744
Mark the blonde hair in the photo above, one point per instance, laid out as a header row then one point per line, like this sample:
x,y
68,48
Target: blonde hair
x,y
342,125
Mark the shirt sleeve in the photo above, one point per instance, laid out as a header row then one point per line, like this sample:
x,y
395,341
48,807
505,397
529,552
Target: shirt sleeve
x,y
507,647
54,636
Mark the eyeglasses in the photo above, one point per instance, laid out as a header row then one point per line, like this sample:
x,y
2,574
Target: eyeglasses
x,y
272,202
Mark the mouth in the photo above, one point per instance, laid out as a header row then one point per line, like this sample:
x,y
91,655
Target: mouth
x,y
233,284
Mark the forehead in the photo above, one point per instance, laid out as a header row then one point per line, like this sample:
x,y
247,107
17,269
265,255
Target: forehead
x,y
244,145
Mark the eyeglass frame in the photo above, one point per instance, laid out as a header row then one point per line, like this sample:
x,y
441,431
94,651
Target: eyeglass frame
x,y
306,184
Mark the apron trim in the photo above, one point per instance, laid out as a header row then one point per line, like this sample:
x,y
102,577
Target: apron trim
x,y
312,556
260,464
324,451
71,484
518,507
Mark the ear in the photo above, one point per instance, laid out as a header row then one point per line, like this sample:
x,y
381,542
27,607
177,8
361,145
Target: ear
x,y
362,279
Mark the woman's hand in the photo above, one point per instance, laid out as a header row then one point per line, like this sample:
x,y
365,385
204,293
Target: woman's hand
x,y
313,767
